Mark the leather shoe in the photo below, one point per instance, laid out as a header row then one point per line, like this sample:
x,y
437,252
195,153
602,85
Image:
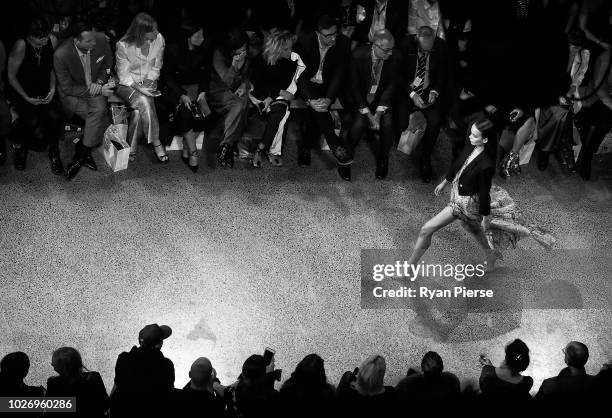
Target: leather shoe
x,y
20,158
89,162
382,168
73,169
426,172
304,158
56,164
225,156
345,172
570,163
543,160
342,156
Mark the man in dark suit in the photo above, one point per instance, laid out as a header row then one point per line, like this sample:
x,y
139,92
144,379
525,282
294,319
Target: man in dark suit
x,y
573,386
424,80
374,70
381,14
326,54
82,66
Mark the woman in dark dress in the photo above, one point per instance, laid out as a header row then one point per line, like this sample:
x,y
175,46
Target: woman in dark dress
x,y
75,380
506,383
486,211
14,367
32,81
183,83
274,78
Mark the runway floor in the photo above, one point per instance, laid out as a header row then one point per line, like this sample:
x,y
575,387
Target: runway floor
x,y
236,260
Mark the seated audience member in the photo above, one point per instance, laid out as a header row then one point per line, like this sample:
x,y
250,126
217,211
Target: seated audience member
x,y
573,386
505,384
139,61
82,65
14,367
595,19
433,386
5,113
274,76
374,69
555,133
182,84
425,81
307,393
374,15
144,378
253,395
198,396
229,91
364,393
76,381
32,82
594,120
425,13
326,54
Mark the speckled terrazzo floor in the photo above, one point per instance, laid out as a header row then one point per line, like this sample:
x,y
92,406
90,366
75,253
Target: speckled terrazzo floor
x,y
237,260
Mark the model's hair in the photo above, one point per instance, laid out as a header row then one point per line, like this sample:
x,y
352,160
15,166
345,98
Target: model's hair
x,y
371,376
517,356
38,27
142,24
487,129
577,354
67,362
274,43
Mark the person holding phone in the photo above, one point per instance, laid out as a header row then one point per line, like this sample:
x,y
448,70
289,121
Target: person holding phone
x,y
32,92
139,61
229,91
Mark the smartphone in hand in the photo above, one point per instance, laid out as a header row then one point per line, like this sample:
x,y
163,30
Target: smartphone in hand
x,y
268,354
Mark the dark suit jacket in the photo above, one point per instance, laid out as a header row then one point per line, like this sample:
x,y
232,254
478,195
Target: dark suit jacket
x,y
70,74
396,20
334,67
361,78
567,388
476,178
438,66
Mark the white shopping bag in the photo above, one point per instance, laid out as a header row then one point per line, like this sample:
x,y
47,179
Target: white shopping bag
x,y
525,152
116,148
413,134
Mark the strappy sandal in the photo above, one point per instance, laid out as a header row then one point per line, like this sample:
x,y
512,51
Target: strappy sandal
x,y
162,158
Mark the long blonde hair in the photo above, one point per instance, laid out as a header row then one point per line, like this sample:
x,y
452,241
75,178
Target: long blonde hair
x,y
274,43
370,379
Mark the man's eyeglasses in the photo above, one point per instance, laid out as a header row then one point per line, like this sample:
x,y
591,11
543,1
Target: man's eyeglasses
x,y
328,35
385,50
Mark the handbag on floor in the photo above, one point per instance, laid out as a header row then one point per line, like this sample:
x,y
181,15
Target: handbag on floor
x,y
116,147
412,136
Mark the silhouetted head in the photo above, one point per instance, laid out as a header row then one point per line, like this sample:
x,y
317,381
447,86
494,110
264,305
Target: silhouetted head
x,y
517,356
67,362
15,366
576,354
432,365
310,370
201,372
371,375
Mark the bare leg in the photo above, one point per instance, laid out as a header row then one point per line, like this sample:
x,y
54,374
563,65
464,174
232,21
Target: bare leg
x,y
523,134
190,140
443,218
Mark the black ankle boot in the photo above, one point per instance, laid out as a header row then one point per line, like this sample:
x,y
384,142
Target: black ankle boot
x,y
56,162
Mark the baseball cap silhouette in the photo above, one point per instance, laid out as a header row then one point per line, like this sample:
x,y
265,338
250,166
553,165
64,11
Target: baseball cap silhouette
x,y
153,334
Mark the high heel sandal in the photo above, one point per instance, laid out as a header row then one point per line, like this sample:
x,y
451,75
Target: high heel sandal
x,y
191,159
162,158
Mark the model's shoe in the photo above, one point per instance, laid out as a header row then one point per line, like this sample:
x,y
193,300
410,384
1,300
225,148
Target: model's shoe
x,y
568,156
345,172
304,158
275,160
56,163
160,152
21,155
258,158
342,156
73,169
